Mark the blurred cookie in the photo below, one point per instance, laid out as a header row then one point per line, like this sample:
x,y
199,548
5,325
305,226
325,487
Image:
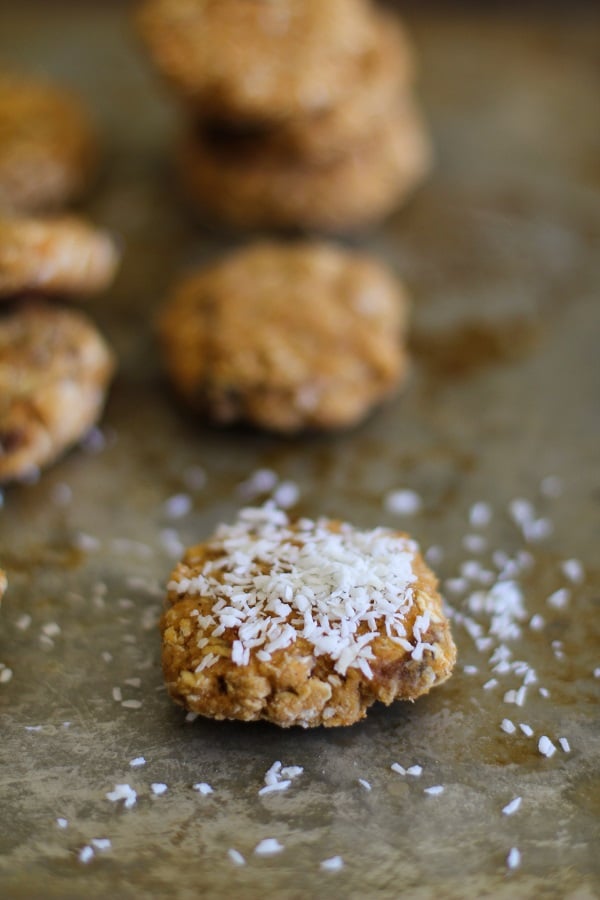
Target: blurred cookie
x,y
257,60
47,145
247,183
64,255
286,337
379,84
302,623
54,371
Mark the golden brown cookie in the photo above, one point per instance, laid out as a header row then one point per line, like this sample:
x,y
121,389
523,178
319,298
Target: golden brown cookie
x,y
47,145
302,623
247,183
64,255
257,60
286,336
54,372
381,80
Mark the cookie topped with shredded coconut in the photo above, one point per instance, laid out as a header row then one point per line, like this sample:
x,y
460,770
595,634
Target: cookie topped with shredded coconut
x,y
302,622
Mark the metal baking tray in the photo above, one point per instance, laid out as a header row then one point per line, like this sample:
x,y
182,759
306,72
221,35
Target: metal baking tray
x,y
500,250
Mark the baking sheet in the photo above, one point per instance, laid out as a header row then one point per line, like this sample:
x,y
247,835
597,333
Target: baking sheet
x,y
500,250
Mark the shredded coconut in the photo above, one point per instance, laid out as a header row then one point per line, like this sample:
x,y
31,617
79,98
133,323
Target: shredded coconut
x,y
508,726
564,745
480,515
203,788
268,847
364,784
138,761
86,854
178,506
101,843
123,792
573,570
434,790
559,599
338,590
403,502
512,807
513,860
236,857
333,864
158,788
546,747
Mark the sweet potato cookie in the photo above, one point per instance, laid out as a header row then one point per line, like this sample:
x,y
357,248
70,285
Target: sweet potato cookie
x,y
54,372
249,183
257,60
47,145
302,623
59,255
286,336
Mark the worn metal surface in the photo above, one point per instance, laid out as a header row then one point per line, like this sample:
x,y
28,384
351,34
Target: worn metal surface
x,y
501,252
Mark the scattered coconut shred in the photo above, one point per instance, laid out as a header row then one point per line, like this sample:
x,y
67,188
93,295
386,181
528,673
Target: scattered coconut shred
x,y
321,578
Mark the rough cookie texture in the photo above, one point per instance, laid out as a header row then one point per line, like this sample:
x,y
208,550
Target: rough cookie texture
x,y
286,336
47,145
381,87
59,255
302,623
257,60
251,183
54,371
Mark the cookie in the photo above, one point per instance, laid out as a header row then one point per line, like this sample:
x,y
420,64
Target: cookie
x,y
47,145
382,78
59,255
247,183
257,60
302,623
54,372
286,336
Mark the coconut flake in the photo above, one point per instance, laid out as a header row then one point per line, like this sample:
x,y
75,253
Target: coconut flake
x,y
546,747
268,847
333,864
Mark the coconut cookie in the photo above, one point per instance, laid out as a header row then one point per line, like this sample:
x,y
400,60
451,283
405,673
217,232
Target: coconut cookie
x,y
302,623
257,60
59,255
286,336
54,372
47,145
250,182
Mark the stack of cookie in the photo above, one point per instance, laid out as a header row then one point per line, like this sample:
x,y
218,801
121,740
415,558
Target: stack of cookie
x,y
302,111
54,365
